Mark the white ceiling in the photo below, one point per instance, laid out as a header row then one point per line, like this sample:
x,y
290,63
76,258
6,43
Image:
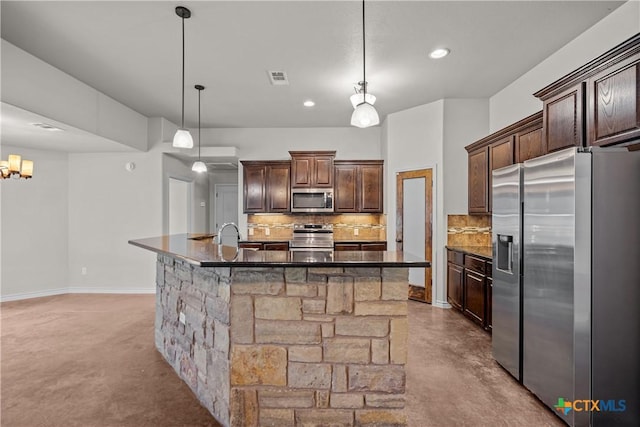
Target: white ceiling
x,y
131,52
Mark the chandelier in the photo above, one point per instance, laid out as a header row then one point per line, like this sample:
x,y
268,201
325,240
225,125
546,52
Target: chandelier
x,y
16,168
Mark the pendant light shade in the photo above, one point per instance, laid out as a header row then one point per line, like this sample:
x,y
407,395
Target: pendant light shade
x,y
182,138
199,166
365,114
358,98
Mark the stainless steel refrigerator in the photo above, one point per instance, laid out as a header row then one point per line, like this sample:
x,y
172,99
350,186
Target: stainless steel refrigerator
x,y
579,311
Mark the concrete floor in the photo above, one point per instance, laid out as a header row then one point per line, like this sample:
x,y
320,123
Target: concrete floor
x,y
90,361
452,380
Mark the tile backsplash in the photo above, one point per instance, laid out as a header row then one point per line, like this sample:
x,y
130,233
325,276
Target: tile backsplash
x,y
469,230
345,226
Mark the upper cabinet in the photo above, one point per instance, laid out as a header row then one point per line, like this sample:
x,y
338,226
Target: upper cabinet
x,y
312,169
596,105
266,186
515,143
358,186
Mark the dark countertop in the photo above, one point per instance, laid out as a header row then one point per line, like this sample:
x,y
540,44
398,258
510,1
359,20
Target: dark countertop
x,y
206,254
281,240
481,251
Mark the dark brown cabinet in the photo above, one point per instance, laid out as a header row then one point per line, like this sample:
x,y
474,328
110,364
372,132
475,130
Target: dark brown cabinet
x,y
518,142
596,105
358,186
562,117
455,278
360,246
312,169
478,184
469,286
529,143
265,246
614,104
266,186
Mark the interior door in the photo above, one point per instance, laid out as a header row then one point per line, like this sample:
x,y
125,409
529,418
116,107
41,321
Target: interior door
x,y
414,217
226,210
179,206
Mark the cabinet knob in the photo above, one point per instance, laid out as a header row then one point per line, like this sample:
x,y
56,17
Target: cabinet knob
x,y
398,240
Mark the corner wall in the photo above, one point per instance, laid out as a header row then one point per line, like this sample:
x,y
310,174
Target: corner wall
x,y
35,227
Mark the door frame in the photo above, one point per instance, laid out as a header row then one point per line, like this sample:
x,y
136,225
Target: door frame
x,y
417,293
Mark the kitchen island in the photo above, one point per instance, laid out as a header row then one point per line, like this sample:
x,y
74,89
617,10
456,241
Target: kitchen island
x,y
285,338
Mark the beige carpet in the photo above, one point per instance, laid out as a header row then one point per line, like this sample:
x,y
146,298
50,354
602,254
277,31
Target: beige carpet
x,y
89,360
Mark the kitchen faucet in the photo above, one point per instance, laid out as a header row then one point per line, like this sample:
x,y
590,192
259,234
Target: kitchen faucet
x,y
225,225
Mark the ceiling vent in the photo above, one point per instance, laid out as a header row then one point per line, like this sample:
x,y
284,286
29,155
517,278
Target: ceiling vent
x,y
46,127
278,78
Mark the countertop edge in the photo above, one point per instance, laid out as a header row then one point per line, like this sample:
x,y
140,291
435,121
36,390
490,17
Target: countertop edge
x,y
469,250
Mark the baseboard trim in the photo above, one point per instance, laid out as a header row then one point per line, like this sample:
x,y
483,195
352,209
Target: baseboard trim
x,y
61,291
111,291
35,294
441,304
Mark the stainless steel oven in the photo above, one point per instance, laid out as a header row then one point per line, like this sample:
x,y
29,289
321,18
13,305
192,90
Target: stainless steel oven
x,y
312,200
312,238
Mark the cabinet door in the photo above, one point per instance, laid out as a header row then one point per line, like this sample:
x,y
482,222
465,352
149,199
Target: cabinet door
x,y
563,119
370,188
276,246
345,196
613,114
250,245
529,145
454,285
478,169
346,247
489,305
474,295
322,172
301,170
382,246
500,155
254,187
278,187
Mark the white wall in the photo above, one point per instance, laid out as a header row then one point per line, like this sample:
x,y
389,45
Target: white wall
x,y
516,101
35,227
414,140
108,206
465,121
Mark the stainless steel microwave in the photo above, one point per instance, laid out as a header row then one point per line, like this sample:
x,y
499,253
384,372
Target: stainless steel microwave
x,y
311,200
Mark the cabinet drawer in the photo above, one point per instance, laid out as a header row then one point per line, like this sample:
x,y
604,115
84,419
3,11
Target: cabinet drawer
x,y
374,246
246,245
475,264
276,246
455,257
489,269
346,247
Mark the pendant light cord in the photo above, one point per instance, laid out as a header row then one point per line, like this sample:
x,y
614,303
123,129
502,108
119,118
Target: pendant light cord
x,y
199,92
183,72
364,63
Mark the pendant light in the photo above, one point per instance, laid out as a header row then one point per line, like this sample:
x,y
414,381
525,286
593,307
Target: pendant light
x,y
182,138
365,114
199,166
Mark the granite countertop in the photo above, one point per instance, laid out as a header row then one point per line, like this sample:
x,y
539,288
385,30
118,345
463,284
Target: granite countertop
x,y
280,239
206,254
481,251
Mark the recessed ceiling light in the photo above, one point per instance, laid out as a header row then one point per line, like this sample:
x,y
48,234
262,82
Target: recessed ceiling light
x,y
46,126
439,53
309,103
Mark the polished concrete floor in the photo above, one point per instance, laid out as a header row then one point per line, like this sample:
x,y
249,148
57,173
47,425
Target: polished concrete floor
x,y
452,380
89,360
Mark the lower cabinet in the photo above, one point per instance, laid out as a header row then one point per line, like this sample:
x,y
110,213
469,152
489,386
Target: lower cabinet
x,y
265,246
360,246
469,286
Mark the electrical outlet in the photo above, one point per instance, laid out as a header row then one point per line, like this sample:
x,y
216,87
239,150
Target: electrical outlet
x,y
356,231
83,271
182,318
267,231
251,232
203,204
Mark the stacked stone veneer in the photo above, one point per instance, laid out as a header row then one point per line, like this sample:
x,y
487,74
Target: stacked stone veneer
x,y
288,346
